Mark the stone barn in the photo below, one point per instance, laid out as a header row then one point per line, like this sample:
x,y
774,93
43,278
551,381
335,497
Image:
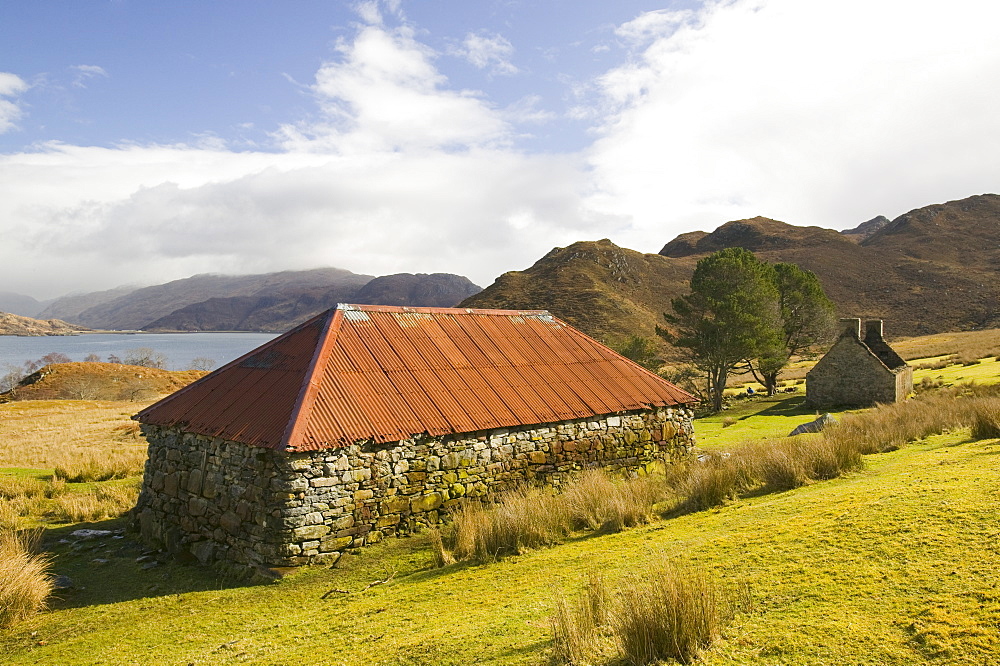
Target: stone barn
x,y
369,421
859,371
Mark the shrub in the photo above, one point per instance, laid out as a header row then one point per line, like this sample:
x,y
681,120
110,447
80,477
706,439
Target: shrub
x,y
24,577
728,421
671,612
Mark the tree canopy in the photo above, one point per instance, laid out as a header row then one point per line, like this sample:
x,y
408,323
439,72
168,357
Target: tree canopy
x,y
745,313
807,318
732,314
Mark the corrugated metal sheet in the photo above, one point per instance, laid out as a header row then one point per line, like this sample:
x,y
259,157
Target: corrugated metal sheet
x,y
384,373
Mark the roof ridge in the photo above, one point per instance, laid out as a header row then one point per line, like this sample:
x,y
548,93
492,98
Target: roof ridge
x,y
365,307
311,383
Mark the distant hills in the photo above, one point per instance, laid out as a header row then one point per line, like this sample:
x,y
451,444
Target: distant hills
x,y
19,304
930,270
270,310
265,302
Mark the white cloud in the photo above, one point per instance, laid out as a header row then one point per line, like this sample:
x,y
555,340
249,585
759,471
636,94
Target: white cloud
x,y
11,86
490,52
369,12
385,93
822,113
815,113
400,173
83,73
653,25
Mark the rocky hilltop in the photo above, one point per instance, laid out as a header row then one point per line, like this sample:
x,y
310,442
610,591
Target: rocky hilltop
x,y
930,270
12,324
604,290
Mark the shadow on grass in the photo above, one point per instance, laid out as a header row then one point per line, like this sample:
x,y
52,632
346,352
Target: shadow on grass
x,y
116,568
787,407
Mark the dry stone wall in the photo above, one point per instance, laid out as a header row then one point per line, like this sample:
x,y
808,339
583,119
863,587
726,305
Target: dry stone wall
x,y
220,500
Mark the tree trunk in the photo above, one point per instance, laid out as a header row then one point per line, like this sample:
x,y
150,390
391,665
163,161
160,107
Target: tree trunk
x,y
718,386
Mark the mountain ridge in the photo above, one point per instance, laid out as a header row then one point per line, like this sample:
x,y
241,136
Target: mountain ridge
x,y
929,270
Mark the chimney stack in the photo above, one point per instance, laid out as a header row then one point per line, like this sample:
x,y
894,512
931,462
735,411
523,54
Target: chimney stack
x,y
851,325
873,330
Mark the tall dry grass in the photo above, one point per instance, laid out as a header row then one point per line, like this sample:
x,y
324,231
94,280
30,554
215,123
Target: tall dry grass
x,y
783,464
25,583
577,622
985,421
596,501
25,501
531,517
113,464
521,519
670,612
45,434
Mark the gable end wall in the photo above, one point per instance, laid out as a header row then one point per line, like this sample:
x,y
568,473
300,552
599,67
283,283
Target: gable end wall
x,y
213,499
850,375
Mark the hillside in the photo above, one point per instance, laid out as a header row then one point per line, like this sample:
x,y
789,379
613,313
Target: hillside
x,y
19,304
930,270
100,381
12,324
602,289
71,306
139,307
264,302
279,310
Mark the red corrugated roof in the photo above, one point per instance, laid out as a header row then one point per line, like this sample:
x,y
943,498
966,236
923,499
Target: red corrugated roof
x,y
382,373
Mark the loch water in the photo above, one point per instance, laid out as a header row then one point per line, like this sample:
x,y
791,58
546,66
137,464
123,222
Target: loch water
x,y
180,349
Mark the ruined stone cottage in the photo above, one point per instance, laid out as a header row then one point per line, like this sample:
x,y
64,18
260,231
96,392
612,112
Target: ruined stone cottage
x,y
859,371
371,420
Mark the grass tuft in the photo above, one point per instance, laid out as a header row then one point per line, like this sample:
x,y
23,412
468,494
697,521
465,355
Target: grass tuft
x,y
522,519
986,419
24,577
120,464
671,612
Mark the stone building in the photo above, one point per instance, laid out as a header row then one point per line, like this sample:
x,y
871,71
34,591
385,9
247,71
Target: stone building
x,y
859,371
369,421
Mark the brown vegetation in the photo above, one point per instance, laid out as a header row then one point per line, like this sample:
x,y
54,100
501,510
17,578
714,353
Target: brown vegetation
x,y
27,500
45,434
101,381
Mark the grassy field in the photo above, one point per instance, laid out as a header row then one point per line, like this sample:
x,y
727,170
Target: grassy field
x,y
898,563
43,434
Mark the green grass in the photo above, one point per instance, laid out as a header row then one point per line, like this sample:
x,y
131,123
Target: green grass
x,y
897,564
760,417
987,371
27,472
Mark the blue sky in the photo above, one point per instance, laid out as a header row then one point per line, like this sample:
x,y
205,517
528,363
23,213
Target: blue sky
x,y
147,141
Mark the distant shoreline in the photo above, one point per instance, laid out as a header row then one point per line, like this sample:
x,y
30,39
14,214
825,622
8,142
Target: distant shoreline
x,y
101,332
